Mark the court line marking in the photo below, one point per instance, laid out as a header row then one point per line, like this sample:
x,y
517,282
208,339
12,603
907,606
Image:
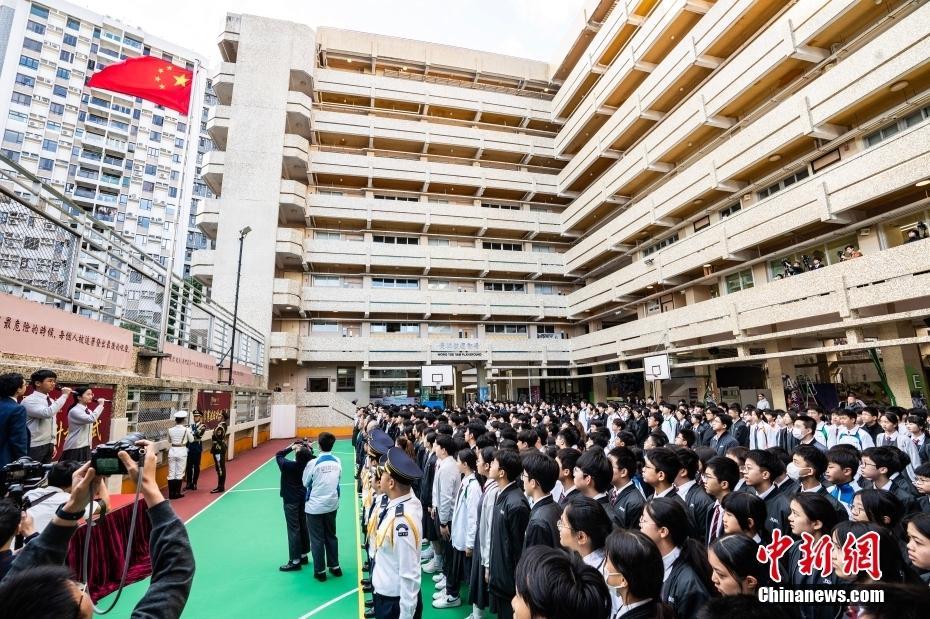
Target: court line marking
x,y
328,604
274,488
232,489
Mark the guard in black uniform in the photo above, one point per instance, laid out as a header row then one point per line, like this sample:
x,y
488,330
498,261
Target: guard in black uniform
x,y
194,451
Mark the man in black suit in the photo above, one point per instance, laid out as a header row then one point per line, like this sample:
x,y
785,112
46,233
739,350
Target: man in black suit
x,y
14,436
739,429
722,439
539,475
508,529
626,500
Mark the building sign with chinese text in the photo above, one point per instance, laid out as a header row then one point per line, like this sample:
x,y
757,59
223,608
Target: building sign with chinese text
x,y
458,349
188,364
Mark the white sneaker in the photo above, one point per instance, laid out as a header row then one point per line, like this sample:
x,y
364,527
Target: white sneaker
x,y
427,555
438,577
439,594
476,613
447,602
431,566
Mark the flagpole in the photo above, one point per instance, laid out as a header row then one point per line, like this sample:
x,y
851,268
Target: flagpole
x,y
166,302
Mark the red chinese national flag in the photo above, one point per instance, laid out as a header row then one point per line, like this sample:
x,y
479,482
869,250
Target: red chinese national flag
x,y
149,78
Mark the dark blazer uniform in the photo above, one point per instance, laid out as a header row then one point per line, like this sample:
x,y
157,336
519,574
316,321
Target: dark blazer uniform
x,y
628,508
740,432
649,610
724,442
683,590
700,506
776,514
542,529
14,435
791,576
904,489
508,529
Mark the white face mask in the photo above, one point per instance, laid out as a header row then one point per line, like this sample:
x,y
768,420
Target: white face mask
x,y
798,434
794,471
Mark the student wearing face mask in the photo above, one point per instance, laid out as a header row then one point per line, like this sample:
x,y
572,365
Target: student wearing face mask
x,y
804,431
807,466
634,575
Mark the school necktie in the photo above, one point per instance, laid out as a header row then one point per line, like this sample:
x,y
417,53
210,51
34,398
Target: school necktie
x,y
48,400
715,524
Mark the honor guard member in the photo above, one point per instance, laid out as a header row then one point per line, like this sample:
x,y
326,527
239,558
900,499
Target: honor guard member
x,y
396,573
178,438
378,444
194,451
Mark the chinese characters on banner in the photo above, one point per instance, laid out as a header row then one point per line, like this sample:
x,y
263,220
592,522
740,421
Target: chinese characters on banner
x,y
212,405
188,364
29,328
859,554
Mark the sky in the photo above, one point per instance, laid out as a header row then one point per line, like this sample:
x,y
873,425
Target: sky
x,y
535,29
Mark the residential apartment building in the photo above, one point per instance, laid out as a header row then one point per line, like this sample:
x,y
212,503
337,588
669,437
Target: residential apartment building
x,y
127,161
201,196
545,227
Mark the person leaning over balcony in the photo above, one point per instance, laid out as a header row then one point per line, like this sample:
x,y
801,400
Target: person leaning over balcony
x,y
849,253
42,411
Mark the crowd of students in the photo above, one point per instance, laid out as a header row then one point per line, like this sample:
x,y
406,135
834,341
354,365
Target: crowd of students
x,y
651,509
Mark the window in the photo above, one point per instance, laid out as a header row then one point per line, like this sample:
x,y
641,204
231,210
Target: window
x,y
733,208
150,169
73,24
13,136
69,39
396,240
395,327
504,207
434,328
395,282
345,379
39,11
506,329
21,99
328,281
317,384
502,246
59,91
26,61
701,223
542,249
25,80
148,186
46,164
663,243
56,108
546,332
396,198
327,236
20,116
33,26
894,127
739,281
324,327
439,284
783,183
155,136
50,145
145,204
66,56
158,121
32,44
505,286
545,289
63,74
172,192
438,242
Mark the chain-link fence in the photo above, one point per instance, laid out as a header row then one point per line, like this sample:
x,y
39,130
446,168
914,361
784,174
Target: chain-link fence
x,y
54,252
151,411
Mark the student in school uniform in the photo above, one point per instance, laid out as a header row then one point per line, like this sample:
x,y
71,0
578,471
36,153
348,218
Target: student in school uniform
x,y
635,571
850,433
478,586
813,514
842,466
626,500
540,473
464,526
883,466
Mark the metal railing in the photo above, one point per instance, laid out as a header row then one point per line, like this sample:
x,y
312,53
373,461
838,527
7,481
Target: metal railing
x,y
151,411
54,252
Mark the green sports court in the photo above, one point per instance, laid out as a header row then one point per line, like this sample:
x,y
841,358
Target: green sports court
x,y
239,541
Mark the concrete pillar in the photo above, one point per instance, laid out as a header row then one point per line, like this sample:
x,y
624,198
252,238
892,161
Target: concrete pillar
x,y
599,384
900,362
481,376
458,394
775,368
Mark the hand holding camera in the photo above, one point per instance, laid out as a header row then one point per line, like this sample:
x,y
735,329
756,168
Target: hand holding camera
x,y
150,490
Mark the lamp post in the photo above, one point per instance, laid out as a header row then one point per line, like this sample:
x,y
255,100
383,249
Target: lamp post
x,y
232,348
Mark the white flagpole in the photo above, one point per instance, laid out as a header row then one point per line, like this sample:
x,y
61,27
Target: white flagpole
x,y
166,302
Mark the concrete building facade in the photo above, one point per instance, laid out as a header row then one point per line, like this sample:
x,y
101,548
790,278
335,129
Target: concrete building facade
x,y
545,227
127,161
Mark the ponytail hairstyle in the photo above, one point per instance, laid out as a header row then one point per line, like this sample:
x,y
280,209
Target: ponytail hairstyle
x,y
671,514
79,391
468,458
738,555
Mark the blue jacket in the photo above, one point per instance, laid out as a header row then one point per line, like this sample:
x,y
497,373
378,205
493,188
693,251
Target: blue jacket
x,y
14,437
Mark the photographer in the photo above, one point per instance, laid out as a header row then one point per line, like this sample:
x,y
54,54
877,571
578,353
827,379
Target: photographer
x,y
43,502
293,495
38,584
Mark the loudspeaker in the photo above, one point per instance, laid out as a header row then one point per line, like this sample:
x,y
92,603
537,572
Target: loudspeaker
x,y
713,350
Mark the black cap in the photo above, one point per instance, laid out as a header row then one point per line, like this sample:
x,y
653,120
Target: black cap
x,y
401,466
379,442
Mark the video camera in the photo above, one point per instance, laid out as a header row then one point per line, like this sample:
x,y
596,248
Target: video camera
x,y
19,476
105,461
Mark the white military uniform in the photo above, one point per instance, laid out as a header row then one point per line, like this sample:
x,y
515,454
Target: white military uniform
x,y
178,437
397,568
